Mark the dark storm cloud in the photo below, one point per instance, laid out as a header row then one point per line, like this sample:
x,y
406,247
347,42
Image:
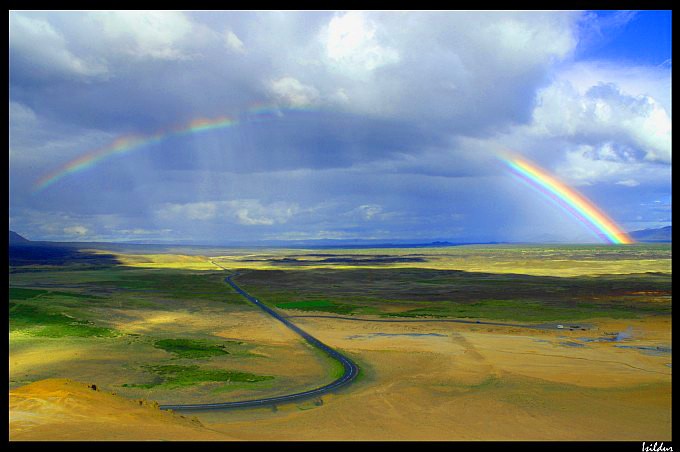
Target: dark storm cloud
x,y
380,123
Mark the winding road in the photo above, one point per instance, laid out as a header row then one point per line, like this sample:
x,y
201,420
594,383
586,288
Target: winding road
x,y
350,370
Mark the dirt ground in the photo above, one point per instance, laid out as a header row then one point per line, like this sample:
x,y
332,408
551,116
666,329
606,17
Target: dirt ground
x,y
419,381
62,409
460,382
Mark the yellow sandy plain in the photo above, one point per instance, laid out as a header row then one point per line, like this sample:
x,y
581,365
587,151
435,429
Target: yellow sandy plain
x,y
456,382
537,262
465,382
62,409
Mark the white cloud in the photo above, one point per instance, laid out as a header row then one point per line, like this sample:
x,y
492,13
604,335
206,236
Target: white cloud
x,y
154,34
588,164
190,211
141,231
293,93
471,70
247,212
65,226
633,80
21,114
232,42
316,235
351,44
605,113
252,212
370,210
78,230
516,38
339,97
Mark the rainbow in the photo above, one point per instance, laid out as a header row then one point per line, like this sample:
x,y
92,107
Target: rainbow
x,y
567,198
128,143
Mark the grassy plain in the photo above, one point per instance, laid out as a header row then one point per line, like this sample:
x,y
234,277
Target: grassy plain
x,y
164,327
173,336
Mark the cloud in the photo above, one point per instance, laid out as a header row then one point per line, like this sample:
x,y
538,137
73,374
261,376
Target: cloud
x,y
352,47
389,122
43,52
145,34
247,212
605,113
60,224
597,30
201,211
307,235
587,165
292,93
465,72
21,115
513,35
144,232
634,80
42,144
252,212
370,210
233,43
77,230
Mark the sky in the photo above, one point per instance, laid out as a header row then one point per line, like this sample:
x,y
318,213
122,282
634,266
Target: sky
x,y
343,125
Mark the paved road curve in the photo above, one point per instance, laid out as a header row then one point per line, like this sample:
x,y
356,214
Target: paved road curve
x,y
350,369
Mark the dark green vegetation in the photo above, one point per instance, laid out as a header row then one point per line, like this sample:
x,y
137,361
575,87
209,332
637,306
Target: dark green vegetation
x,y
72,291
70,302
527,311
174,376
40,321
45,313
82,303
16,293
318,305
438,293
192,348
121,287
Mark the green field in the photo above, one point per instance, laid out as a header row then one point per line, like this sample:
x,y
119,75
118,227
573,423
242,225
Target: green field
x,y
59,303
174,376
456,294
80,309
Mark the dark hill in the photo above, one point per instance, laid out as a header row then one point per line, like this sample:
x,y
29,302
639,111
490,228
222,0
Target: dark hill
x,y
663,235
16,239
23,252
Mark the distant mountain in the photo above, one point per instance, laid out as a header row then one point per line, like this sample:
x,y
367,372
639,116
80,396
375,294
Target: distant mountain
x,y
663,235
16,239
